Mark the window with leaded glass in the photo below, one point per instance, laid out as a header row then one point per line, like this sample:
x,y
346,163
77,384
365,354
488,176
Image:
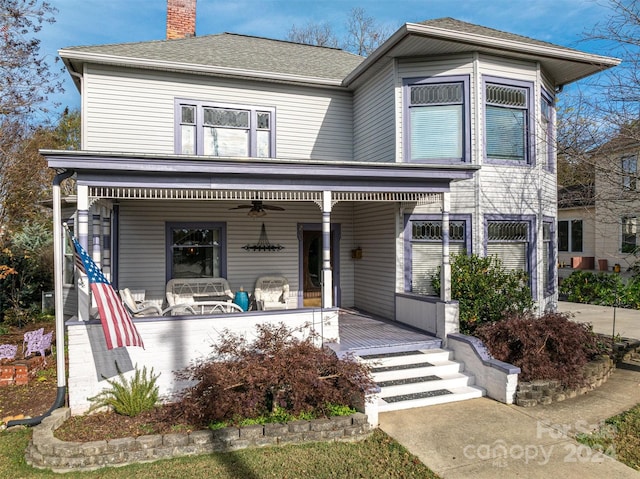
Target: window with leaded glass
x,y
425,248
195,250
225,130
438,119
507,121
509,241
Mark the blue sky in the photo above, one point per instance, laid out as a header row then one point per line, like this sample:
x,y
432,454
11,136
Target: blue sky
x,y
93,22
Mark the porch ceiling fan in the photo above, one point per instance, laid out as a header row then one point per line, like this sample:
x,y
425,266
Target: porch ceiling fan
x,y
257,208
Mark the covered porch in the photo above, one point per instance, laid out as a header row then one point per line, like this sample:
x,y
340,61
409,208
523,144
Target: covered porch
x,y
127,205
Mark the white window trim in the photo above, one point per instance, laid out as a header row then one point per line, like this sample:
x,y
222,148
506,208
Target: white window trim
x,y
200,105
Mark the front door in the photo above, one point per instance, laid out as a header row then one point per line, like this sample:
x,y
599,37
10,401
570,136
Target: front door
x,y
311,264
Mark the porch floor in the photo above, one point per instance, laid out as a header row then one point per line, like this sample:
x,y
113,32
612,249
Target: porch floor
x,y
363,331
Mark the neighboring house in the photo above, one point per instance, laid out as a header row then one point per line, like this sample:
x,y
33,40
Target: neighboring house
x,y
441,141
617,200
576,228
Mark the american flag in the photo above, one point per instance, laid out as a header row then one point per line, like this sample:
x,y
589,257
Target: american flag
x,y
119,330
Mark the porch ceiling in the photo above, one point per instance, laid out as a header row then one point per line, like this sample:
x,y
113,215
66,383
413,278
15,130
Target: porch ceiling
x,y
118,170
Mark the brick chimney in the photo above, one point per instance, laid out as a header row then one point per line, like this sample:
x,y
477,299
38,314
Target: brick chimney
x,y
181,18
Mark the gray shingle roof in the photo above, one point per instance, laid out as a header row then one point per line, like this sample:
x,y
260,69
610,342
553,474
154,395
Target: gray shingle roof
x,y
228,50
449,23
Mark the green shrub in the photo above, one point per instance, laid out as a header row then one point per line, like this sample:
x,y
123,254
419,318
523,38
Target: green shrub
x,y
129,397
485,290
601,288
549,347
277,375
26,269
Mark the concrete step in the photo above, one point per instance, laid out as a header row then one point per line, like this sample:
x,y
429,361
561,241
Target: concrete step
x,y
421,377
416,370
429,383
401,358
432,398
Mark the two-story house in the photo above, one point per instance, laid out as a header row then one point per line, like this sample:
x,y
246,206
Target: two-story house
x,y
354,178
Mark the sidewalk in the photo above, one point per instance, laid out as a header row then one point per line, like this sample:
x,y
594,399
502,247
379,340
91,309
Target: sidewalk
x,y
482,438
627,322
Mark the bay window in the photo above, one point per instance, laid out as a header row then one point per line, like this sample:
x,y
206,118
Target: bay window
x,y
507,121
437,116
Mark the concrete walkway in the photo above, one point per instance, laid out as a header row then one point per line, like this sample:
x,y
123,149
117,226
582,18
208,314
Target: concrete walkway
x,y
482,438
627,321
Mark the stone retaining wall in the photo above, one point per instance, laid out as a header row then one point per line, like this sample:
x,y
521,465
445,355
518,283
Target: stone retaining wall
x,y
537,392
47,452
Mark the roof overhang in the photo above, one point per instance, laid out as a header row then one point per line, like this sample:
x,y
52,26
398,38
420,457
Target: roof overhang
x,y
74,61
563,65
191,172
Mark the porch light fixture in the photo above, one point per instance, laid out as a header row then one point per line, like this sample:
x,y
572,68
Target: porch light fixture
x,y
257,212
263,243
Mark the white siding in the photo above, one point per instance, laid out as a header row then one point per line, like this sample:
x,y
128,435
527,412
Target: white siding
x,y
170,345
143,248
375,273
374,119
133,111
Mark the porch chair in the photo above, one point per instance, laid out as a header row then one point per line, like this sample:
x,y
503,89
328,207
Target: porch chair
x,y
8,351
36,342
147,308
271,292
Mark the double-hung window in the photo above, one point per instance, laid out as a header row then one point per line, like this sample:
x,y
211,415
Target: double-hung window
x,y
507,121
629,240
195,250
423,249
547,120
224,130
510,241
570,236
629,166
548,257
438,119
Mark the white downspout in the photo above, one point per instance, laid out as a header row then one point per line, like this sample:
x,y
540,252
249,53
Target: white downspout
x,y
58,258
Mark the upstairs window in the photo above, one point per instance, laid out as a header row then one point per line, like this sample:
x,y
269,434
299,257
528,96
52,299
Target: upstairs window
x,y
507,121
224,130
437,118
629,166
547,120
629,240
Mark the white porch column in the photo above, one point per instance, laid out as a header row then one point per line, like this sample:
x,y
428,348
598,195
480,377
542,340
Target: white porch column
x,y
327,274
445,276
82,232
96,243
105,213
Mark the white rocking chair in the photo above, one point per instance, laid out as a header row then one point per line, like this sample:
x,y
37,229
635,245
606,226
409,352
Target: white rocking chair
x,y
147,308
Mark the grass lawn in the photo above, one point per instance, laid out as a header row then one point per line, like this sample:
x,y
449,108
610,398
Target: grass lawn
x,y
379,456
619,437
